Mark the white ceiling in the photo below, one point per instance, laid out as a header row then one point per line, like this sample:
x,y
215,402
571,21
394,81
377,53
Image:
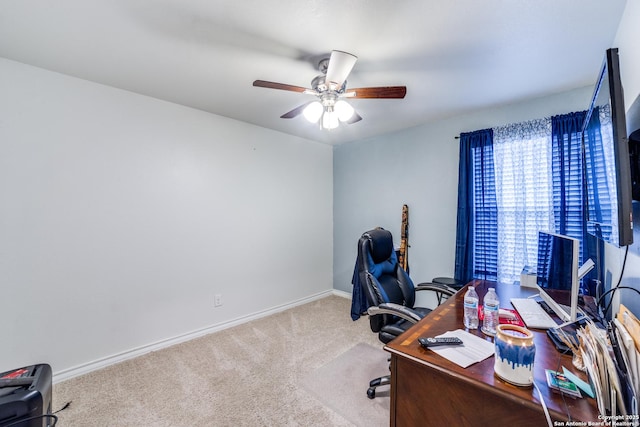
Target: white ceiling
x,y
454,56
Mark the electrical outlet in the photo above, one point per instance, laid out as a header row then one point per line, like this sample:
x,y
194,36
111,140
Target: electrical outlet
x,y
217,300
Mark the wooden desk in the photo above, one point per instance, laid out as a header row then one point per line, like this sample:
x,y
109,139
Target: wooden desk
x,y
427,389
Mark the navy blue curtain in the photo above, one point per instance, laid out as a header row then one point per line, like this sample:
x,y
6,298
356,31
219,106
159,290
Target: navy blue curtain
x,y
569,196
476,230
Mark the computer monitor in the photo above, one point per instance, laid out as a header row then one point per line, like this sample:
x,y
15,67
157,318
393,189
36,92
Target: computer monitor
x,y
557,273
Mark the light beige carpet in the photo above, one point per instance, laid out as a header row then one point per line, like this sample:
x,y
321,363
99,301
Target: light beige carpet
x,y
249,375
347,378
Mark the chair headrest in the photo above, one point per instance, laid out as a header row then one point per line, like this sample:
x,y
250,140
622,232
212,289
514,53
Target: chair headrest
x,y
381,243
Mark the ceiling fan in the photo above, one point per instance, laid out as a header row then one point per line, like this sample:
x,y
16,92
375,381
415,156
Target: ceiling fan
x,y
331,87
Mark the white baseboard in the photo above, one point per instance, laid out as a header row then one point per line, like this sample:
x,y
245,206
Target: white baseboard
x,y
342,294
85,368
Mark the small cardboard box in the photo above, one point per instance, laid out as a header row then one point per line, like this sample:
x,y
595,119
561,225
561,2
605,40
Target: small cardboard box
x,y
528,277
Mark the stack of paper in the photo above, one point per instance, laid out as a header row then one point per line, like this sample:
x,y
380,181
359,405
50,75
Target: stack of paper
x,y
473,350
626,348
612,360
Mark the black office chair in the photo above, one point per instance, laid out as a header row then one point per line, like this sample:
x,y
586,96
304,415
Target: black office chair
x,y
390,292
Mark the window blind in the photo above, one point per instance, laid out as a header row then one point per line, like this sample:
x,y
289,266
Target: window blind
x,y
485,261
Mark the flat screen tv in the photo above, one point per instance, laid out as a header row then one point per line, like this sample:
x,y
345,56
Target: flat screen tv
x,y
607,167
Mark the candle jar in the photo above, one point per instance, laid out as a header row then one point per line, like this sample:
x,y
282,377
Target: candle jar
x,y
515,351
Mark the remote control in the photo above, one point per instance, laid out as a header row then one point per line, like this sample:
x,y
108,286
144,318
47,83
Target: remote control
x,y
433,342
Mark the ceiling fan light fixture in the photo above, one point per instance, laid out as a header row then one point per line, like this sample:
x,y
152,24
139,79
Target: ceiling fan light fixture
x,y
344,110
330,120
329,87
313,111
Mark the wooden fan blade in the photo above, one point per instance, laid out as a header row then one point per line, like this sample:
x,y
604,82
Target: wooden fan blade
x,y
295,112
281,86
377,92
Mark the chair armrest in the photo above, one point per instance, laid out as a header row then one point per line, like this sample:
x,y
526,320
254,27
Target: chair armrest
x,y
435,287
443,292
396,310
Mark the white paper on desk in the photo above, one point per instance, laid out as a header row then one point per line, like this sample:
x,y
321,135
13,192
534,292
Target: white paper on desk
x,y
473,350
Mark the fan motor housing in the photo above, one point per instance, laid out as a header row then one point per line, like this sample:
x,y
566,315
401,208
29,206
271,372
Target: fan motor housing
x,y
323,65
318,83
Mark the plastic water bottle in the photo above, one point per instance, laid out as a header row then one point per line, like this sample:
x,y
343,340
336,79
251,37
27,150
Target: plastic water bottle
x,y
491,312
471,308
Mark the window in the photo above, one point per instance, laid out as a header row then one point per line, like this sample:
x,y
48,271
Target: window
x,y
526,178
524,194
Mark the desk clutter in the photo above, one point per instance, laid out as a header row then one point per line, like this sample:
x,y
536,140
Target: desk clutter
x,y
609,355
417,370
611,359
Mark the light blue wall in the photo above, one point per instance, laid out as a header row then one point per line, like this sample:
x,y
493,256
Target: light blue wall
x,y
123,216
373,178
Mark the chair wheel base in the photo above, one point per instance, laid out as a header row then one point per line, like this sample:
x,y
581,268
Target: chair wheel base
x,y
371,393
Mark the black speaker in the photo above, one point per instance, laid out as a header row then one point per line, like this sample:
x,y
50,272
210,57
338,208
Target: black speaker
x,y
25,397
634,158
